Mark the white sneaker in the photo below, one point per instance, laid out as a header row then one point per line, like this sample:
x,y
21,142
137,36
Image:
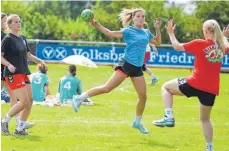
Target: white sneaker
x,y
209,148
88,102
28,125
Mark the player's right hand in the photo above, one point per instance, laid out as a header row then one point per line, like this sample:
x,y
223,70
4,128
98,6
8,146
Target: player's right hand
x,y
11,68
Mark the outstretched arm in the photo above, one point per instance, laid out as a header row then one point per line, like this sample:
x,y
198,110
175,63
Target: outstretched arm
x,y
157,39
170,27
106,31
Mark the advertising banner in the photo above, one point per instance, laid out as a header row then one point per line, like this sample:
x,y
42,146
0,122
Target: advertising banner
x,y
166,56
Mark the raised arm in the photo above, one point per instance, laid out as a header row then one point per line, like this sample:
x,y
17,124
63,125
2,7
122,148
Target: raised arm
x,y
226,31
170,27
157,39
107,32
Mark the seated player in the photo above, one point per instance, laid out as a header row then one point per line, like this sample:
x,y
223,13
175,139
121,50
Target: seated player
x,y
69,86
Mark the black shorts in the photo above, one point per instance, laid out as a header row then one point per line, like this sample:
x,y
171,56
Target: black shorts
x,y
2,70
205,98
129,70
144,67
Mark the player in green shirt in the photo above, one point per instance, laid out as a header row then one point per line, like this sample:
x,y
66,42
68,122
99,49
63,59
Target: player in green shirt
x,y
70,85
40,84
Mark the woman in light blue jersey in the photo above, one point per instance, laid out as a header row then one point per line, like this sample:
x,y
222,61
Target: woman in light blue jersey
x,y
136,39
40,84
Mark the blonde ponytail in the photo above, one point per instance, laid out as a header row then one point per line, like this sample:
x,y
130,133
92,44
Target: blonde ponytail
x,y
218,36
126,15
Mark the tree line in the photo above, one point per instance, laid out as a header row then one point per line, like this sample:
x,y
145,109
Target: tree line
x,y
60,20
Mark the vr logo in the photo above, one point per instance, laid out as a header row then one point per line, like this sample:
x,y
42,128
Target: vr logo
x,y
49,53
60,52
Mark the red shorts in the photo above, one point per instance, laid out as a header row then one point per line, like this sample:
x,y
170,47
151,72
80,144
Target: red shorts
x,y
17,81
147,54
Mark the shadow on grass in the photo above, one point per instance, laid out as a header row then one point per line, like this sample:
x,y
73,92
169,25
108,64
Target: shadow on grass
x,y
27,138
152,143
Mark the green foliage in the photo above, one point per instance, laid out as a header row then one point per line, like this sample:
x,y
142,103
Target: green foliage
x,y
61,19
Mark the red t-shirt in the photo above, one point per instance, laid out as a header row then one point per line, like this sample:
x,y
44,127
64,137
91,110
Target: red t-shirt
x,y
207,65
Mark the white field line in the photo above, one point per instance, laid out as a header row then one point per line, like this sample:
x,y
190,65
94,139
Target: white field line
x,y
99,121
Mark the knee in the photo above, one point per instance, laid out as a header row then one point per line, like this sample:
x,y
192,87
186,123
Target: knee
x,y
204,119
143,98
165,87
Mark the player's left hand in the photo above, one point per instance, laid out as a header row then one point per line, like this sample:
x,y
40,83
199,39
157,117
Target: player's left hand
x,y
170,27
226,31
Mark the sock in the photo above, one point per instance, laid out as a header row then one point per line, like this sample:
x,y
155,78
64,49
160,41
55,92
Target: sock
x,y
20,125
83,96
169,113
17,119
6,119
209,146
138,119
152,76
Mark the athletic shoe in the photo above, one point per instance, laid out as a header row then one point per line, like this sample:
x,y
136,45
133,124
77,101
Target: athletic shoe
x,y
28,125
76,102
20,133
209,148
4,128
140,127
87,102
154,81
164,122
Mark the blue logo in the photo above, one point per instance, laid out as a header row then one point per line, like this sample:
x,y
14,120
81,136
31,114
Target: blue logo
x,y
60,53
48,52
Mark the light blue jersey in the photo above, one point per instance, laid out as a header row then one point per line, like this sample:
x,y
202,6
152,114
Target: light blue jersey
x,y
69,86
136,41
38,82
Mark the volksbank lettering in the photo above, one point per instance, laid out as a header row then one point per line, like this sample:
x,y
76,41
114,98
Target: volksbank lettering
x,y
167,57
94,54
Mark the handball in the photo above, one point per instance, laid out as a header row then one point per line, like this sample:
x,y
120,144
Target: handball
x,y
87,15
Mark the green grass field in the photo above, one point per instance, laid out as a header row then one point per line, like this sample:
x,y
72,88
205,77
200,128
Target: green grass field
x,y
107,125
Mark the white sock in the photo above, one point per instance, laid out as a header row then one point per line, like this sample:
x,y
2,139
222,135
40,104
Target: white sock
x,y
17,119
169,113
152,76
6,119
20,125
209,146
83,96
138,119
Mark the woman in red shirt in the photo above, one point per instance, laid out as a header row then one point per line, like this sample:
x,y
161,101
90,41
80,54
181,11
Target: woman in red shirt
x,y
204,81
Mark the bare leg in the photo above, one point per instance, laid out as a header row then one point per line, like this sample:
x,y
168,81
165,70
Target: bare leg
x,y
21,93
149,72
2,84
140,86
26,111
205,112
169,89
13,98
116,79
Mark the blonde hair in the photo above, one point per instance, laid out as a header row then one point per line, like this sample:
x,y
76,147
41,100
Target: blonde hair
x,y
218,37
126,15
10,18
